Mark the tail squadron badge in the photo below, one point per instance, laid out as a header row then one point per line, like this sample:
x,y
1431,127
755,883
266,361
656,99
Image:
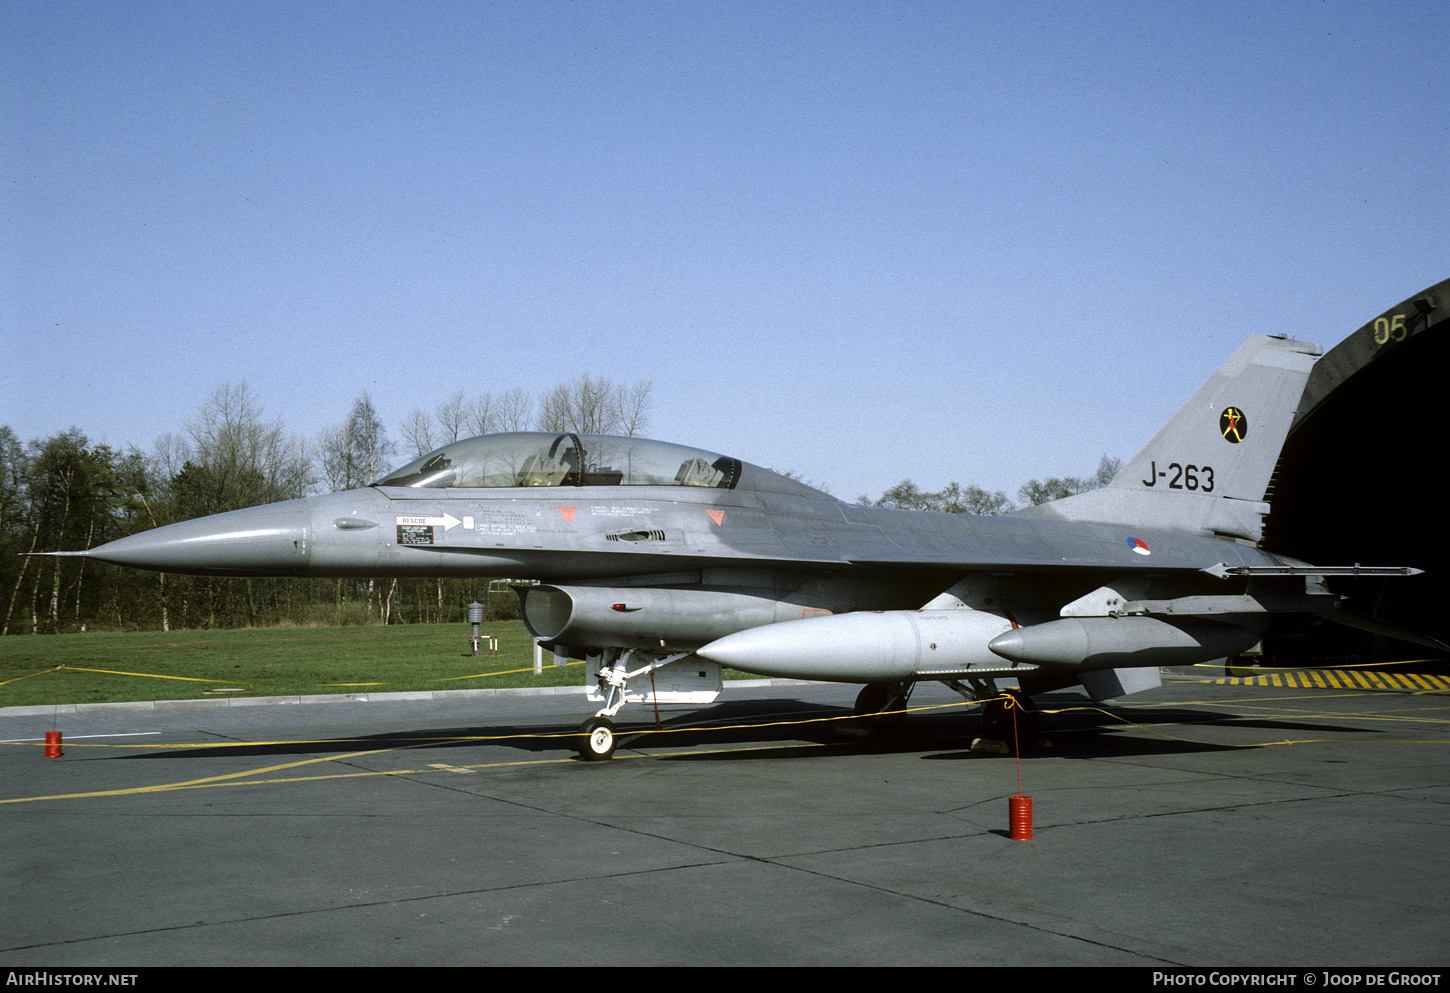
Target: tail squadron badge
x,y
1233,425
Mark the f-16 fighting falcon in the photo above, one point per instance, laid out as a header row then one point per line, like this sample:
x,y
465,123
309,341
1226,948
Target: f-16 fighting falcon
x,y
654,558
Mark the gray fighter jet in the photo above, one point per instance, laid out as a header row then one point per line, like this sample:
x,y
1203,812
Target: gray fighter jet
x,y
653,558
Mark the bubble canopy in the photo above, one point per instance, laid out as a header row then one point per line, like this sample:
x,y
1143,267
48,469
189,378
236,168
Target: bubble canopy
x,y
548,458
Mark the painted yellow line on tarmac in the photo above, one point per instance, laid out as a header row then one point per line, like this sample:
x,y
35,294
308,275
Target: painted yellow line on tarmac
x,y
245,778
1421,685
240,778
193,783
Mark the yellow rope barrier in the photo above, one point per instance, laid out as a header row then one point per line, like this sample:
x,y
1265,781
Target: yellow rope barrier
x,y
242,778
247,682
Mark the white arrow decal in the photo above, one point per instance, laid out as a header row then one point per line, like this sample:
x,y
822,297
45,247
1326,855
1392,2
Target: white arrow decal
x,y
446,522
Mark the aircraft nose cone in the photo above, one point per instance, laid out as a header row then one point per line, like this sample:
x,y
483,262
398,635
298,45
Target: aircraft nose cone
x,y
258,541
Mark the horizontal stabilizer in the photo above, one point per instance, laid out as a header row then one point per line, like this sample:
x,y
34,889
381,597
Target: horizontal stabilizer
x,y
1364,622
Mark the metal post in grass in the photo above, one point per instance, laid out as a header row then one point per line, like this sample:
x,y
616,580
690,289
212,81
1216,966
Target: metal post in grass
x,y
475,618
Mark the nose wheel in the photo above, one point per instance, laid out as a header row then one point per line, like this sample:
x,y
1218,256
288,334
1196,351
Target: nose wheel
x,y
595,740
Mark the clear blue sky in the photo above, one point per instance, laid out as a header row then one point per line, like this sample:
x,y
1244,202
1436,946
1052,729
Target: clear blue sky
x,y
952,241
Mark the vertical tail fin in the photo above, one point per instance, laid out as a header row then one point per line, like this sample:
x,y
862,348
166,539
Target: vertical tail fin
x,y
1209,468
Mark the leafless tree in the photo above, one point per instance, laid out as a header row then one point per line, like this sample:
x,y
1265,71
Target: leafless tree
x,y
358,451
589,405
452,418
237,458
482,415
418,431
596,405
514,410
634,402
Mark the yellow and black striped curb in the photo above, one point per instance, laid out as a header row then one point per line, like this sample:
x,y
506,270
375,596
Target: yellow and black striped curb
x,y
1344,679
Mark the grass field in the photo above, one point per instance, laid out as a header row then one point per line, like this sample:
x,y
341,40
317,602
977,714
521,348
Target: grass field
x,y
186,665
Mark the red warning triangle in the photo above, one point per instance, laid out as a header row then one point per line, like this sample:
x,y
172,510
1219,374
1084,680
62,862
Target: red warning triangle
x,y
567,513
717,515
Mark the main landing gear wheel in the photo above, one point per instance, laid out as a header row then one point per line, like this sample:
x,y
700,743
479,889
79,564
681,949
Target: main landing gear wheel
x,y
596,739
1240,666
881,707
871,699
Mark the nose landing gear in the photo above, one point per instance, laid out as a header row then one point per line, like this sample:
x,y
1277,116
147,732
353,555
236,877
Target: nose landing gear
x,y
596,738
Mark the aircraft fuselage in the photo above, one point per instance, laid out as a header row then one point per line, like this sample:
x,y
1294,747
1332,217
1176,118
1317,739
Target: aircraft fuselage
x,y
591,533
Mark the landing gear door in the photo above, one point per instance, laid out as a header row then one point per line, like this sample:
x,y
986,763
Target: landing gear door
x,y
691,680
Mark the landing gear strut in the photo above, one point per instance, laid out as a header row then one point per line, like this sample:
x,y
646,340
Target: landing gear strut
x,y
999,709
595,739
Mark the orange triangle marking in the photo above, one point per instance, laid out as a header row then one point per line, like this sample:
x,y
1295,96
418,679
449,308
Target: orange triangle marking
x,y
567,513
716,515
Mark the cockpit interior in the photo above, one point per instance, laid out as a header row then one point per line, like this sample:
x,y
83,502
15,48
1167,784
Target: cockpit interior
x,y
540,458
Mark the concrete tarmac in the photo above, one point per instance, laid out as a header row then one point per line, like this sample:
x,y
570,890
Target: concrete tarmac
x,y
1195,825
